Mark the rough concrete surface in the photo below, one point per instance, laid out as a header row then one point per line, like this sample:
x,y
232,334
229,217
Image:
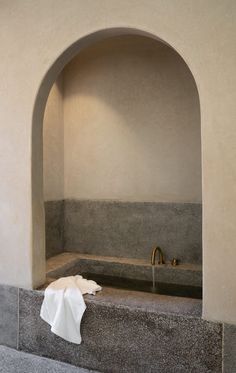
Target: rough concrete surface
x,y
121,338
229,348
12,361
132,229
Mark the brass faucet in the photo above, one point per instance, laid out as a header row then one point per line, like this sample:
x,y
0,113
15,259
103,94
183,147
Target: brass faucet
x,y
161,256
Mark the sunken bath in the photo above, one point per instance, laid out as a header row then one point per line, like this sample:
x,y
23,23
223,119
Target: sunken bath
x,y
122,166
111,240
141,331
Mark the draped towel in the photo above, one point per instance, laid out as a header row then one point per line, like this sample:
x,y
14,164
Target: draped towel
x,y
63,305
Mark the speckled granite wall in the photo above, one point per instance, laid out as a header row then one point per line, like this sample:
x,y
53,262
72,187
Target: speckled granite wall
x,y
8,315
54,226
132,229
123,336
121,339
229,348
124,229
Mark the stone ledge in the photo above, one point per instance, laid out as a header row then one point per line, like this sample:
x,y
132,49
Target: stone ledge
x,y
137,300
121,338
72,263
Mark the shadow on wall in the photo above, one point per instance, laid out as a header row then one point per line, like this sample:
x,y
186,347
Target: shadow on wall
x,y
131,124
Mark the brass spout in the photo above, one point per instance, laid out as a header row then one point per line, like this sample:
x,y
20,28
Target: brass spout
x,y
153,256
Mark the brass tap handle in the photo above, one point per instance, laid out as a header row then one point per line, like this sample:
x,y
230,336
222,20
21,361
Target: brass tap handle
x,y
174,262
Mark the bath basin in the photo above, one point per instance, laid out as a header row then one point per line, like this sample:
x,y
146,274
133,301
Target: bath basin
x,y
146,286
71,263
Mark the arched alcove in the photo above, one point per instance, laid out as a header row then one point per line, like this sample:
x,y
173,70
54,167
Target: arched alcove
x,y
45,38
37,171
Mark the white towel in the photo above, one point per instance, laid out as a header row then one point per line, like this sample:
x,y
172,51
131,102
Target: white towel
x,y
63,305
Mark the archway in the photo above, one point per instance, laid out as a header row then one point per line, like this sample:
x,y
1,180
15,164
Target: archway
x,y
37,172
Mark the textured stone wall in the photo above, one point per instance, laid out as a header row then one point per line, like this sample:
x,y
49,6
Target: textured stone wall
x,y
54,227
124,229
161,336
132,229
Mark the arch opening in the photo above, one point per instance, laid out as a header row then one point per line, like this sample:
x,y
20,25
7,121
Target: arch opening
x,y
152,166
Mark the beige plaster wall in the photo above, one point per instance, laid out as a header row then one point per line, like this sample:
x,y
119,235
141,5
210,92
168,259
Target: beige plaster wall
x,y
53,144
33,36
131,123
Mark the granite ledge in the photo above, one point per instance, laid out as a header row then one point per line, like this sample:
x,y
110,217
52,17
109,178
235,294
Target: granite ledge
x,y
71,263
68,257
144,302
141,301
135,340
